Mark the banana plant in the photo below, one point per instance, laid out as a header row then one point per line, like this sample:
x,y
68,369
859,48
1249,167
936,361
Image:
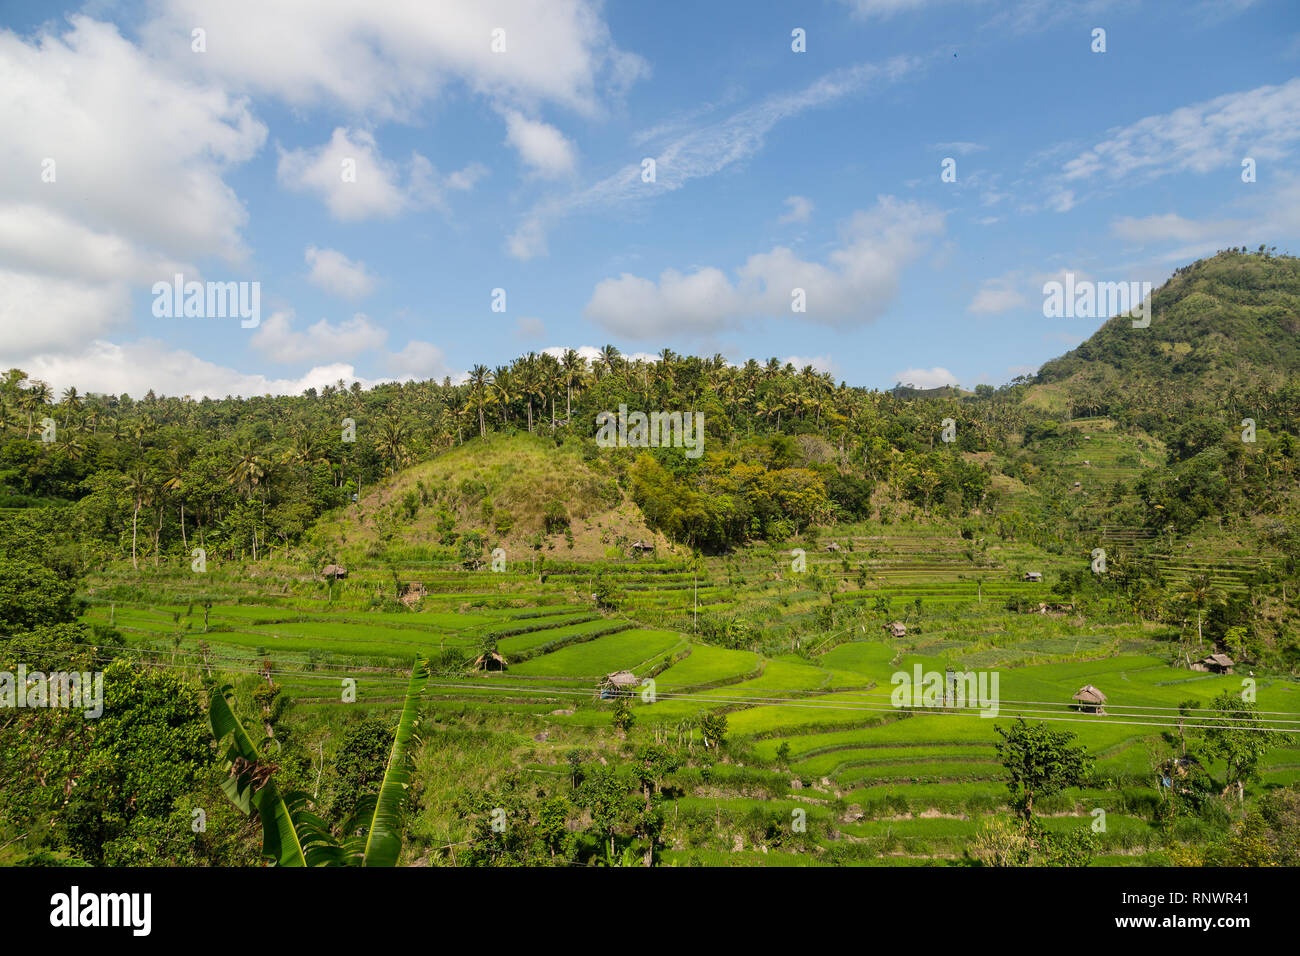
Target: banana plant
x,y
292,835
381,841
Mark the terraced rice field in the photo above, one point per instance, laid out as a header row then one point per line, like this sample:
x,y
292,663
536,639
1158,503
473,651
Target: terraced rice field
x,y
811,728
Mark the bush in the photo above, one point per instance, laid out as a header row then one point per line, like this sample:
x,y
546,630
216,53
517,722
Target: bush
x,y
555,518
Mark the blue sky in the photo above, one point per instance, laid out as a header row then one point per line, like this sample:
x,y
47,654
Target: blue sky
x,y
521,170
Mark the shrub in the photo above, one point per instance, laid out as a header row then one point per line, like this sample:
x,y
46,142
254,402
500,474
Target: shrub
x,y
555,518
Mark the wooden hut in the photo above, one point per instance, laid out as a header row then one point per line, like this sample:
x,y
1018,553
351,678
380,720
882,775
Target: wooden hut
x,y
896,629
618,684
334,572
1215,664
640,547
1035,576
490,661
1088,699
833,546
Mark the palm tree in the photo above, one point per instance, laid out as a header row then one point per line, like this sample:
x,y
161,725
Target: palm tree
x,y
553,376
246,474
505,390
140,489
391,444
36,396
479,380
574,365
72,448
304,449
528,383
177,461
1200,591
608,358
71,403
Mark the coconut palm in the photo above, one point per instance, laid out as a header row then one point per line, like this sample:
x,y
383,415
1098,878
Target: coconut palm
x,y
1200,591
574,366
178,459
36,396
480,378
139,488
391,443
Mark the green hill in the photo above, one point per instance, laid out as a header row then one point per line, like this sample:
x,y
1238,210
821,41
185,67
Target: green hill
x,y
519,492
1230,321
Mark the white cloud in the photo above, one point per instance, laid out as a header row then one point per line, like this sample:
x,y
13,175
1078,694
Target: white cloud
x,y
541,146
1061,200
1264,215
1164,227
419,361
703,151
137,193
1263,123
48,313
884,9
463,180
925,377
338,275
384,59
277,339
137,367
997,296
799,210
528,241
355,181
856,284
961,148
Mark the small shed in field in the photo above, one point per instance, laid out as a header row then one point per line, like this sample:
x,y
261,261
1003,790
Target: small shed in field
x,y
1215,664
641,547
1089,700
334,572
833,546
1035,576
490,661
618,684
896,629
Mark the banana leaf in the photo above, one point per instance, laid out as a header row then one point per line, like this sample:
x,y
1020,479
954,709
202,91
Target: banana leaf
x,y
383,841
280,841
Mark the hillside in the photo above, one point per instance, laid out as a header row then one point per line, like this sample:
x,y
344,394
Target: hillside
x,y
521,492
1229,320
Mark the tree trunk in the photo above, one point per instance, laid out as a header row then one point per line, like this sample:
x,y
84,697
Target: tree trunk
x,y
134,523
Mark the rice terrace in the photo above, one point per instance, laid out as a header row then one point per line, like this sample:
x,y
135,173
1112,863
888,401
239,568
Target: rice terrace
x,y
934,503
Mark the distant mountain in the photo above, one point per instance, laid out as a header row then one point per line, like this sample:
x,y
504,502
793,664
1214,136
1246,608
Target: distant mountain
x,y
1229,321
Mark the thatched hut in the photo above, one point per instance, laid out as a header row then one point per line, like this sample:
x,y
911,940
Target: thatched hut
x,y
640,547
1034,576
833,546
490,661
334,572
1088,700
618,684
896,629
